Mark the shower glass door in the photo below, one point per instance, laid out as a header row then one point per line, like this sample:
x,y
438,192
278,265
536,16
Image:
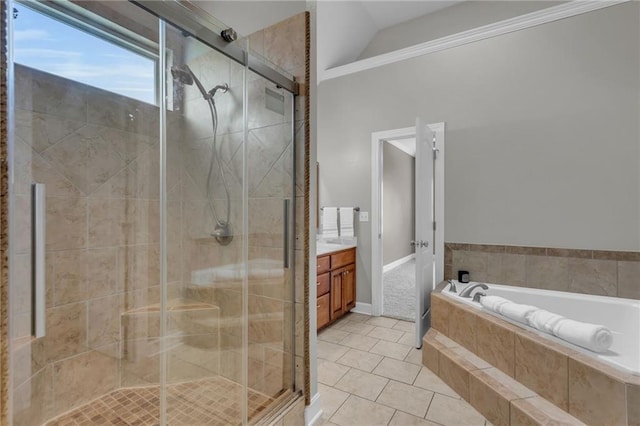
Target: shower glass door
x,y
270,183
151,223
205,324
85,261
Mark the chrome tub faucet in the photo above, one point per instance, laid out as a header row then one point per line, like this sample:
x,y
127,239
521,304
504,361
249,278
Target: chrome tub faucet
x,y
467,291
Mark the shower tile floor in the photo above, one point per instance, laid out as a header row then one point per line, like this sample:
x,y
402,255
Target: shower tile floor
x,y
214,401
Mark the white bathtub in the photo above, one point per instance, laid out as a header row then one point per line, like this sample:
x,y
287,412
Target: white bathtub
x,y
621,316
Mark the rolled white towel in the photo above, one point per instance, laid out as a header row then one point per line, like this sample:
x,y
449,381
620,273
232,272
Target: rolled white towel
x,y
516,311
493,303
597,338
544,320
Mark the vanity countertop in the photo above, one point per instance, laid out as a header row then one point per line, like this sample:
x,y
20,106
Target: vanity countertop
x,y
325,247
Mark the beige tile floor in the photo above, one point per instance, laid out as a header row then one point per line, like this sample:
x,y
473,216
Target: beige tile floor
x,y
370,374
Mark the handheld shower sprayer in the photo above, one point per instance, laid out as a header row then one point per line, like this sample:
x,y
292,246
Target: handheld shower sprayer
x,y
185,76
222,228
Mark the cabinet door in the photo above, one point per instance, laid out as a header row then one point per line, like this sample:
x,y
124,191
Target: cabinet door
x,y
349,287
323,311
336,294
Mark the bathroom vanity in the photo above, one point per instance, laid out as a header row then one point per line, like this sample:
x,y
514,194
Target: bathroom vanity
x,y
336,281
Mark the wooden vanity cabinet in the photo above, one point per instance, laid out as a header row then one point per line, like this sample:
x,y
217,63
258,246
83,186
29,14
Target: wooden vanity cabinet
x,y
336,285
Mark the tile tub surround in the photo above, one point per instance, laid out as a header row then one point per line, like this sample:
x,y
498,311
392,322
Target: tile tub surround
x,y
597,272
578,384
501,399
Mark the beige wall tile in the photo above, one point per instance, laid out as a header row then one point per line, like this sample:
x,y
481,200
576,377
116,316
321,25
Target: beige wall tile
x,y
453,374
430,355
491,404
70,219
111,222
102,279
41,131
495,344
536,411
594,397
551,273
592,276
54,95
139,364
513,269
628,285
70,276
494,267
440,313
31,356
283,44
104,320
462,327
33,400
66,331
473,261
82,378
550,381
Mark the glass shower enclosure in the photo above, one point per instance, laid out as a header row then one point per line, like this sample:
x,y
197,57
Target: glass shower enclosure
x,y
151,199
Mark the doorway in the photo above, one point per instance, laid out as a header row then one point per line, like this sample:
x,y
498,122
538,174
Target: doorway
x,y
403,265
398,228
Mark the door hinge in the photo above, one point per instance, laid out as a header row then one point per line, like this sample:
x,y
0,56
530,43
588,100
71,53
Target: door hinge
x,y
434,225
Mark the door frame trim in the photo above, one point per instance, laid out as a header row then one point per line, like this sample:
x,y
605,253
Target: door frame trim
x,y
377,139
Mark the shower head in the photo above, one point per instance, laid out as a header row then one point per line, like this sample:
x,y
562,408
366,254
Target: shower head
x,y
185,76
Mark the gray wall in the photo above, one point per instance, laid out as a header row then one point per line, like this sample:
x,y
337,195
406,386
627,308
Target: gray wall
x,y
451,20
398,204
541,137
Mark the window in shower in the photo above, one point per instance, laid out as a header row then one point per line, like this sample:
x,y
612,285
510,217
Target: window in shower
x,y
77,51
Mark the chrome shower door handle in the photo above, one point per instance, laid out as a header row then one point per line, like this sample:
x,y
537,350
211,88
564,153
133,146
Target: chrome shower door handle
x,y
285,223
38,246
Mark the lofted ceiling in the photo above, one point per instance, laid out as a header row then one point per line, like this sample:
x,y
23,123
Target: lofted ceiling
x,y
344,28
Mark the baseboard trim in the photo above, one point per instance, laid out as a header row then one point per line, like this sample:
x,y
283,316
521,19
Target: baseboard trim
x,y
398,262
362,308
313,412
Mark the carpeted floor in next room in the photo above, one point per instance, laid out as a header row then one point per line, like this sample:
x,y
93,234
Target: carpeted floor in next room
x,y
399,291
369,374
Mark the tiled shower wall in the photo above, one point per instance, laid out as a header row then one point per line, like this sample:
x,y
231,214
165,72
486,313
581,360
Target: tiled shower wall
x,y
97,152
596,272
270,159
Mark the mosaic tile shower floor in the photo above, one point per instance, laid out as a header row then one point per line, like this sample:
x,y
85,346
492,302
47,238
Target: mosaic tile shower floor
x,y
214,401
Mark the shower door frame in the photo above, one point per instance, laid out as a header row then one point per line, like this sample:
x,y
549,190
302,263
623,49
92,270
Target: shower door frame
x,y
250,62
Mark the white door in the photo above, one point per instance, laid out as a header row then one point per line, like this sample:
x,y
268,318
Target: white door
x,y
424,227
